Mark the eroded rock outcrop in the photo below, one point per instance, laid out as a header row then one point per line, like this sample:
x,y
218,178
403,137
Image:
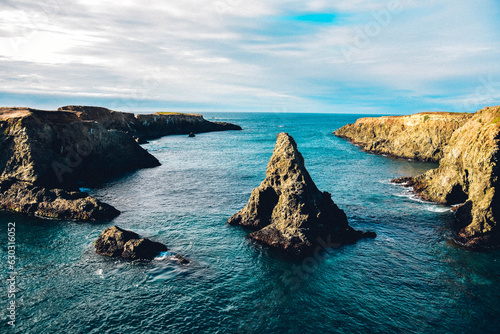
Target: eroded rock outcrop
x,y
420,137
117,242
288,212
468,173
53,203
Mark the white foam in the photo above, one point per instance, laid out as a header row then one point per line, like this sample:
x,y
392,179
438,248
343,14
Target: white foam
x,y
436,208
99,273
164,255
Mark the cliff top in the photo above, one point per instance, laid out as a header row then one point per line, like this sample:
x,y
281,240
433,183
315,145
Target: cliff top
x,y
433,116
15,112
96,112
173,113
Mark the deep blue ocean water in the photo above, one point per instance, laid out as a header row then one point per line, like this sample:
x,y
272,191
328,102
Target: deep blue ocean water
x,y
410,279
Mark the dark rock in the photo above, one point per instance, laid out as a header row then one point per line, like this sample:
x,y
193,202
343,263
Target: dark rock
x,y
288,211
162,124
406,181
112,241
181,259
191,135
57,149
140,140
142,249
117,242
53,203
149,126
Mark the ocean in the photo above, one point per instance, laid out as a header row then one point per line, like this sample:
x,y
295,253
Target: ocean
x,y
410,279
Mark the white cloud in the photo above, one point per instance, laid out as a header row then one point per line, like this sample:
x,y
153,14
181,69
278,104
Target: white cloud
x,y
221,54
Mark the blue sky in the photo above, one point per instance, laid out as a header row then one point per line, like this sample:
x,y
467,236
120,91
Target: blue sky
x,y
358,56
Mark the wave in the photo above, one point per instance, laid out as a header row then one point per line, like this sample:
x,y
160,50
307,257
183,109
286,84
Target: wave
x,y
437,208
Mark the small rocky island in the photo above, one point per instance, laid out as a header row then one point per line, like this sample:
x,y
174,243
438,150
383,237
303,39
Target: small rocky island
x,y
46,156
287,212
467,147
116,242
128,245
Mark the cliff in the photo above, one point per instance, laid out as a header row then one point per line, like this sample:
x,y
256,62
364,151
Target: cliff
x,y
45,156
149,126
468,172
57,149
420,137
288,212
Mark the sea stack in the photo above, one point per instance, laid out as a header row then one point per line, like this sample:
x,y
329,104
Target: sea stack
x,y
289,213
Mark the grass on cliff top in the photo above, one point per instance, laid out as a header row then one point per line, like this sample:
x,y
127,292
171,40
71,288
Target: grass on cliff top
x,y
174,113
495,120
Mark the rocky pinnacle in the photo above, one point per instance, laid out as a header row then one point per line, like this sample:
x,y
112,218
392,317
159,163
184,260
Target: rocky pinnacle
x,y
289,213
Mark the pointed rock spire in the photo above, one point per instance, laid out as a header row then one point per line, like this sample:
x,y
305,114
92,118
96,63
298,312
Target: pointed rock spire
x,y
288,212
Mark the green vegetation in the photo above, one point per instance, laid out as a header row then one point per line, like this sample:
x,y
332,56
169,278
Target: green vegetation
x,y
426,118
170,113
496,120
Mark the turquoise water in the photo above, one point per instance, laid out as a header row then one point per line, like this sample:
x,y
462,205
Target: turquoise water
x,y
410,279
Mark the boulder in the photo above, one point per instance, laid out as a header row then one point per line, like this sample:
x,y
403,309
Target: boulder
x,y
117,242
112,240
287,211
142,249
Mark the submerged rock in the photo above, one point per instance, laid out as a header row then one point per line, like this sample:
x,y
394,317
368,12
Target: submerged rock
x,y
288,212
117,242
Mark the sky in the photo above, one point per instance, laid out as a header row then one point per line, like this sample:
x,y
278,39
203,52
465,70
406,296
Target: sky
x,y
357,56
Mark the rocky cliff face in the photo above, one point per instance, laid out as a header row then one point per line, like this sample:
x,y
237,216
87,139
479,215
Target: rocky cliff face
x,y
56,149
421,137
43,152
288,212
468,172
149,126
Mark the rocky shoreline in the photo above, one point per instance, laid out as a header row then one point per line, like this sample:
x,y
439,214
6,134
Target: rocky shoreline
x,y
419,137
46,156
468,175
